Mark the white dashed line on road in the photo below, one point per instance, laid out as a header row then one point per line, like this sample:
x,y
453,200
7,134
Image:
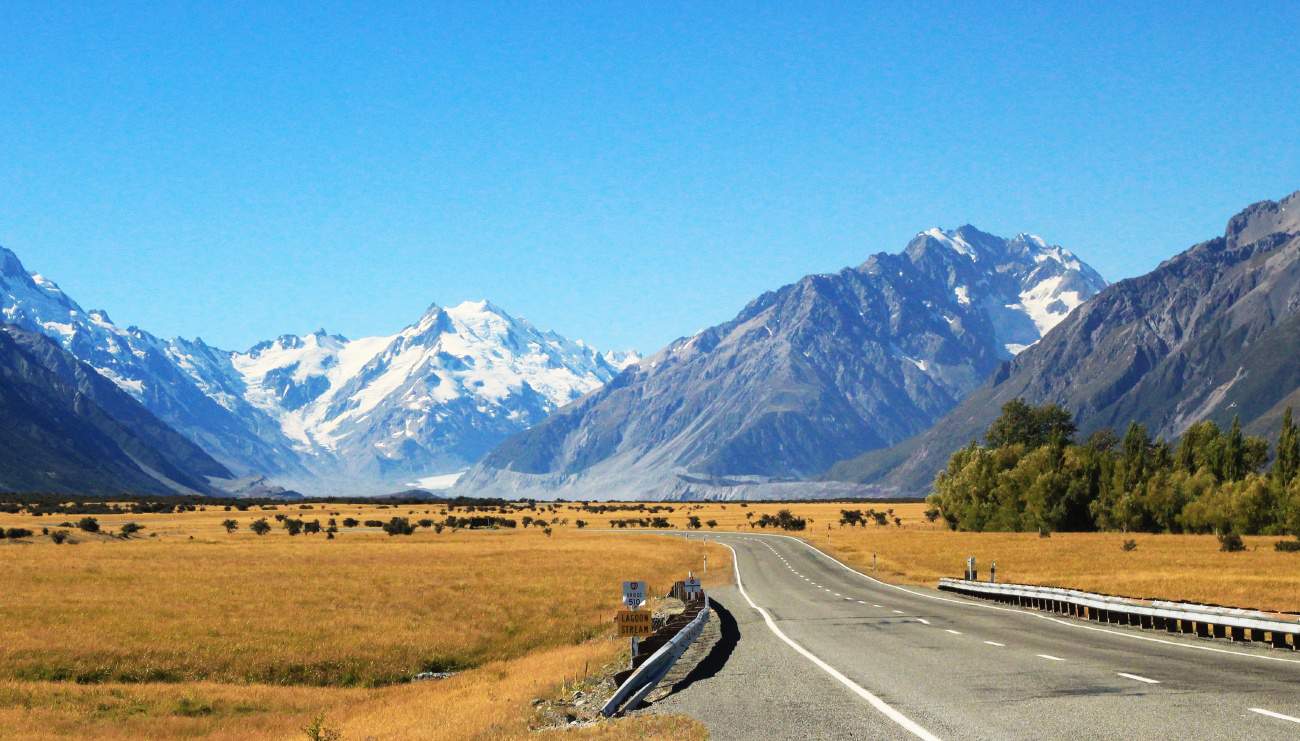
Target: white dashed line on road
x,y
1272,714
923,621
954,632
995,643
1139,679
900,612
1050,657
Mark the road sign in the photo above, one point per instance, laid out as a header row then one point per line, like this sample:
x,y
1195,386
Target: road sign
x,y
636,623
633,594
692,587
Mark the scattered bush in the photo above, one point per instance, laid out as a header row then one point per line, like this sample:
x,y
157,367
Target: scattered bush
x,y
1287,546
318,731
230,526
712,524
15,533
1231,542
89,524
350,522
130,528
398,526
260,526
59,536
1130,545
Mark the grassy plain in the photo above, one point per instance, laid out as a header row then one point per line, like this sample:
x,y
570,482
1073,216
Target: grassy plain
x,y
1185,567
187,630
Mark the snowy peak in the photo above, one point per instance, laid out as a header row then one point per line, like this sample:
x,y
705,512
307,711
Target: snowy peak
x,y
317,408
1024,285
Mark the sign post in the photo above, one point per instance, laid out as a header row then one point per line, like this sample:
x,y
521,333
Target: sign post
x,y
634,597
691,587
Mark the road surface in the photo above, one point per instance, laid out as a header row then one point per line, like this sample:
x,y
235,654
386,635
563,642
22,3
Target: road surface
x,y
812,649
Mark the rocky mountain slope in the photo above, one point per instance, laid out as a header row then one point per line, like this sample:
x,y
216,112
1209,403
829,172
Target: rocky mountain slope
x,y
68,429
321,412
804,376
1209,334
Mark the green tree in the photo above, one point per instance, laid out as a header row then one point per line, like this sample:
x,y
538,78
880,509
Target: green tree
x,y
260,526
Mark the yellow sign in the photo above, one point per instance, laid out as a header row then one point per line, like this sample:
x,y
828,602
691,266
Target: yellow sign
x,y
633,623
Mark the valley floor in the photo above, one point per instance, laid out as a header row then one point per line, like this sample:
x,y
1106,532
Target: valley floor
x,y
185,629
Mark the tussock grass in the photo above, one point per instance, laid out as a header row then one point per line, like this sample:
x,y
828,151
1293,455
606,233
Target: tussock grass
x,y
186,630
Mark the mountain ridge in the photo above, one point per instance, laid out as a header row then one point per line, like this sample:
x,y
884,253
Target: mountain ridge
x,y
1196,338
244,409
851,360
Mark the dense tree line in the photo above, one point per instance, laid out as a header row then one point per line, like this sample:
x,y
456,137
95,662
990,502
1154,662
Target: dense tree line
x,y
1032,474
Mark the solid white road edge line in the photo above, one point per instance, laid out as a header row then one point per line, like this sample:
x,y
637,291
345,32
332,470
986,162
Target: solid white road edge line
x,y
1272,714
885,708
1068,624
1148,680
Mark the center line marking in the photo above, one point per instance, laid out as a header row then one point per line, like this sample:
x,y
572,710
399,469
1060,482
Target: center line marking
x,y
885,708
1050,657
1140,679
923,620
1272,714
954,632
900,612
995,643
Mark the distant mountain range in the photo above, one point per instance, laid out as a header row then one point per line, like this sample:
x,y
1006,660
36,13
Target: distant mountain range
x,y
68,430
321,412
803,377
1212,333
856,383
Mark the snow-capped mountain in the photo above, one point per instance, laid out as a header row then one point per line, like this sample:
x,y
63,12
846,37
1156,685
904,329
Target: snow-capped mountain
x,y
431,398
320,411
804,376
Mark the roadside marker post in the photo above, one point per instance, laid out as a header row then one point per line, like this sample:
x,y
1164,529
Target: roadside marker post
x,y
633,597
993,571
691,587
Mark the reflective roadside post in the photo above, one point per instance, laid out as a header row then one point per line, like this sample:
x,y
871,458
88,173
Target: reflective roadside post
x,y
993,572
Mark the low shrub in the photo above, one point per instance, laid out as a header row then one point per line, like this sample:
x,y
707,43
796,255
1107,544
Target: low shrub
x,y
1231,542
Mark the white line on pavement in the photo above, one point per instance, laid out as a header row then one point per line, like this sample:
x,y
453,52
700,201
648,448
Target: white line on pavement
x,y
995,643
1272,714
954,632
1040,616
900,612
1139,679
876,702
923,621
1050,657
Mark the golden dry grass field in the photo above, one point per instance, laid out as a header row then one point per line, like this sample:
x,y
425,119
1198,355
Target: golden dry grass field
x,y
187,630
1185,567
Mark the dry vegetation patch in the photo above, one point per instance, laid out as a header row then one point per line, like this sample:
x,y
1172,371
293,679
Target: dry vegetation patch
x,y
186,629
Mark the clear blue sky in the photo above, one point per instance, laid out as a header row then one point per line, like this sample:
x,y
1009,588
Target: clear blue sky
x,y
625,174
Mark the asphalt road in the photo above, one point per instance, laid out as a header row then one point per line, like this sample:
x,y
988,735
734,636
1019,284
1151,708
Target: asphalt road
x,y
811,649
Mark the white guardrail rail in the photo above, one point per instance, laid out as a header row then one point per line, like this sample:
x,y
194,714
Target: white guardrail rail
x,y
1277,629
648,675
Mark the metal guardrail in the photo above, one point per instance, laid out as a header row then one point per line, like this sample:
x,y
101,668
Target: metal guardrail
x,y
1280,630
648,675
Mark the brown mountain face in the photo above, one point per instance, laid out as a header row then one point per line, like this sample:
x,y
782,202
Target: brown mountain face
x,y
1210,334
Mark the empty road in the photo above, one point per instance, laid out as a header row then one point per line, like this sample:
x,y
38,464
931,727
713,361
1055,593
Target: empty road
x,y
813,649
